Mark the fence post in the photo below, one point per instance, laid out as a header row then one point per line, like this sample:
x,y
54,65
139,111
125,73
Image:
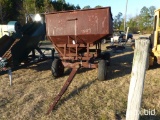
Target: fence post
x,y
140,63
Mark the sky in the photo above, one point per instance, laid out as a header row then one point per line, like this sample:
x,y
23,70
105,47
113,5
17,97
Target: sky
x,y
133,7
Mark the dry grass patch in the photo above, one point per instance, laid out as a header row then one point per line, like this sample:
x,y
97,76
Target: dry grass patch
x,y
34,89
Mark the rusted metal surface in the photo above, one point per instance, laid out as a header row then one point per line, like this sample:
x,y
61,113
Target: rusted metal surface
x,y
73,33
8,54
64,88
79,27
86,26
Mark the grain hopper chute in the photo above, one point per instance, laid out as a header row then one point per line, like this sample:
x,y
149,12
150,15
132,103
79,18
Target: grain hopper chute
x,y
77,35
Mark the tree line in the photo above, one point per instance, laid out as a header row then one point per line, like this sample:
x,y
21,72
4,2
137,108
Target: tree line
x,y
142,22
11,10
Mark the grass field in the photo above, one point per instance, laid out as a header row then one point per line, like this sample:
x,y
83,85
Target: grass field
x,y
34,89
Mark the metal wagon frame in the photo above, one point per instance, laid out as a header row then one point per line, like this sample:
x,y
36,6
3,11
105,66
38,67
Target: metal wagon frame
x,y
78,44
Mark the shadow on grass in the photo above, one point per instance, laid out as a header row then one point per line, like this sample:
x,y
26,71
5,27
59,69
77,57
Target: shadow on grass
x,y
42,66
74,93
141,117
116,69
144,117
155,66
150,117
120,66
46,65
39,66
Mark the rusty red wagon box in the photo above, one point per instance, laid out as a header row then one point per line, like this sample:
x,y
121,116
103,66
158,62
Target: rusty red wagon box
x,y
76,35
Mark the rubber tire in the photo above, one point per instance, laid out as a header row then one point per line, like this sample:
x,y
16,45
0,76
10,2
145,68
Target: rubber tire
x,y
106,56
57,68
102,70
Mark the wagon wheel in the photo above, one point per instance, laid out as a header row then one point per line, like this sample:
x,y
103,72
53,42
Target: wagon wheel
x,y
106,56
102,70
57,68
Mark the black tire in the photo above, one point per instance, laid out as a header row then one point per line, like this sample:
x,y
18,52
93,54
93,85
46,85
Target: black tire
x,y
57,68
102,70
106,56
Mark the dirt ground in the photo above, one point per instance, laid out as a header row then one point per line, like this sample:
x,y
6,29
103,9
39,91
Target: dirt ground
x,y
34,89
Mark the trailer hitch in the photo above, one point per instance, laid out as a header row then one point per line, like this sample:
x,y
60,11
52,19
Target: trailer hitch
x,y
64,88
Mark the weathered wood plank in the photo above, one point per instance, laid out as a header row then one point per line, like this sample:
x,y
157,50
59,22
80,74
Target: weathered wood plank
x,y
140,63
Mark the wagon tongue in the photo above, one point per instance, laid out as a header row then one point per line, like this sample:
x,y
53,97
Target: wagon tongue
x,y
64,88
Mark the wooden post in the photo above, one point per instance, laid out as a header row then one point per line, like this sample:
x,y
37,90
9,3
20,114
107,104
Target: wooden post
x,y
139,66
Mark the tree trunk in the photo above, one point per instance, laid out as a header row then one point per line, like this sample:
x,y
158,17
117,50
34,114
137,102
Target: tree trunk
x,y
139,66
